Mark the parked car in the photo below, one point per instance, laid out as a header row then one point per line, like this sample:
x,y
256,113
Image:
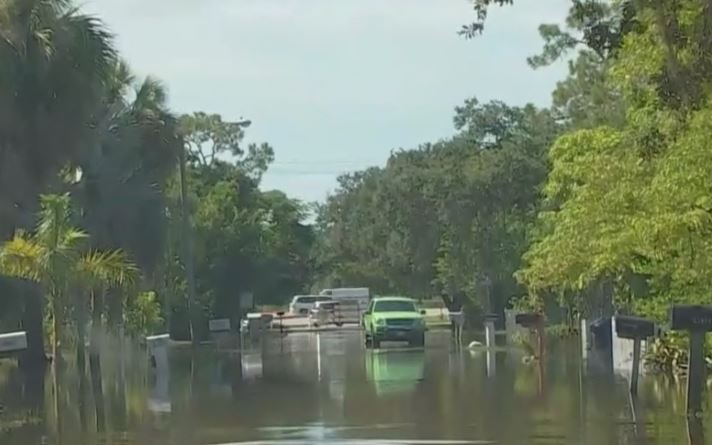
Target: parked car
x,y
325,313
302,304
393,319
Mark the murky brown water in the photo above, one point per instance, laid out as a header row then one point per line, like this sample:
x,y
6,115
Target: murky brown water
x,y
328,389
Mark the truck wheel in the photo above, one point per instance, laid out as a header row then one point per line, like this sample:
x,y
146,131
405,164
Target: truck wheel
x,y
339,324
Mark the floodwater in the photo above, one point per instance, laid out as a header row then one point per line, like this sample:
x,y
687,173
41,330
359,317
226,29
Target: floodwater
x,y
328,389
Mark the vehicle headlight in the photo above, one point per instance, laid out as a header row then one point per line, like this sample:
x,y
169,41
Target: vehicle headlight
x,y
380,322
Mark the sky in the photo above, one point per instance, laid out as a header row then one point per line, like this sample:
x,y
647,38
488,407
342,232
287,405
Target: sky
x,y
333,85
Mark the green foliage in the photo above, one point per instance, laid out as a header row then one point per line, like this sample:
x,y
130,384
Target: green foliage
x,y
112,142
245,240
209,139
143,314
53,59
631,204
449,215
55,257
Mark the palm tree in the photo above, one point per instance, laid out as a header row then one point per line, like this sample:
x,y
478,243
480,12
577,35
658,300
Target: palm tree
x,y
96,271
47,257
54,257
54,62
125,172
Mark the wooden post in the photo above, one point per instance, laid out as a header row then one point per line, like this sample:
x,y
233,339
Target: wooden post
x,y
636,329
636,367
583,325
490,342
540,331
489,333
696,373
695,431
697,320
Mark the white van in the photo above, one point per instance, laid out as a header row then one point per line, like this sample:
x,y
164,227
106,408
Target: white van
x,y
353,302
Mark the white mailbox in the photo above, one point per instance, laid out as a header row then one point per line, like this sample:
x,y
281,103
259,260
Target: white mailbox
x,y
158,351
13,342
155,341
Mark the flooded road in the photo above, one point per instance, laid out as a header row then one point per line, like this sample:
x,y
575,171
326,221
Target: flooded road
x,y
328,389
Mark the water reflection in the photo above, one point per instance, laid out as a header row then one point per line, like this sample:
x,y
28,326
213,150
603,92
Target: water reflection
x,y
328,388
395,371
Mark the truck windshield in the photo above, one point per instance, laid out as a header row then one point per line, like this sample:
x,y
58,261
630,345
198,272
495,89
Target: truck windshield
x,y
394,306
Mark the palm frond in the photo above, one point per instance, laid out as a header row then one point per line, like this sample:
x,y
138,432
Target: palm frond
x,y
54,219
150,96
21,257
108,268
92,42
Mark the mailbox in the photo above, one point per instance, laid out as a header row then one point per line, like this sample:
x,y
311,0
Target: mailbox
x,y
634,327
13,342
492,317
528,320
219,325
692,318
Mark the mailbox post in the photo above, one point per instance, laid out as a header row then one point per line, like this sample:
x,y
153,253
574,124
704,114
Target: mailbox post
x,y
490,330
636,329
158,351
697,320
490,343
220,329
535,322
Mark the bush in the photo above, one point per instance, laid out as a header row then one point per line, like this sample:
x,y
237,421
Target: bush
x,y
143,314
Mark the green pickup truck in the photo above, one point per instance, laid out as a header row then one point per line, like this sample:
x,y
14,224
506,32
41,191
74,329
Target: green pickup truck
x,y
393,319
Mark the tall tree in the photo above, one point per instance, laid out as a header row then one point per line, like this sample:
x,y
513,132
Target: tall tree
x,y
452,215
54,62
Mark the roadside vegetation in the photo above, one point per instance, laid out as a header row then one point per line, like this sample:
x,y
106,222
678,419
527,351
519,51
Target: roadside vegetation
x,y
119,215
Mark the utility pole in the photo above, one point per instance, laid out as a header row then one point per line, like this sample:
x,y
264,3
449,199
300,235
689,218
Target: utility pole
x,y
187,236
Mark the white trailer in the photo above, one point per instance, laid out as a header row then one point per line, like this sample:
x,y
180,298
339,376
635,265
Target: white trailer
x,y
353,302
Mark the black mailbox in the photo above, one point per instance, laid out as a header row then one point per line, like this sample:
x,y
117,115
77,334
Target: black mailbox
x,y
634,327
692,318
492,317
529,320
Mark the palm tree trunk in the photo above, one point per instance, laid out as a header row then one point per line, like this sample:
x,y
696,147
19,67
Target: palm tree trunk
x,y
97,309
94,359
98,391
82,400
56,328
81,335
57,409
56,361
